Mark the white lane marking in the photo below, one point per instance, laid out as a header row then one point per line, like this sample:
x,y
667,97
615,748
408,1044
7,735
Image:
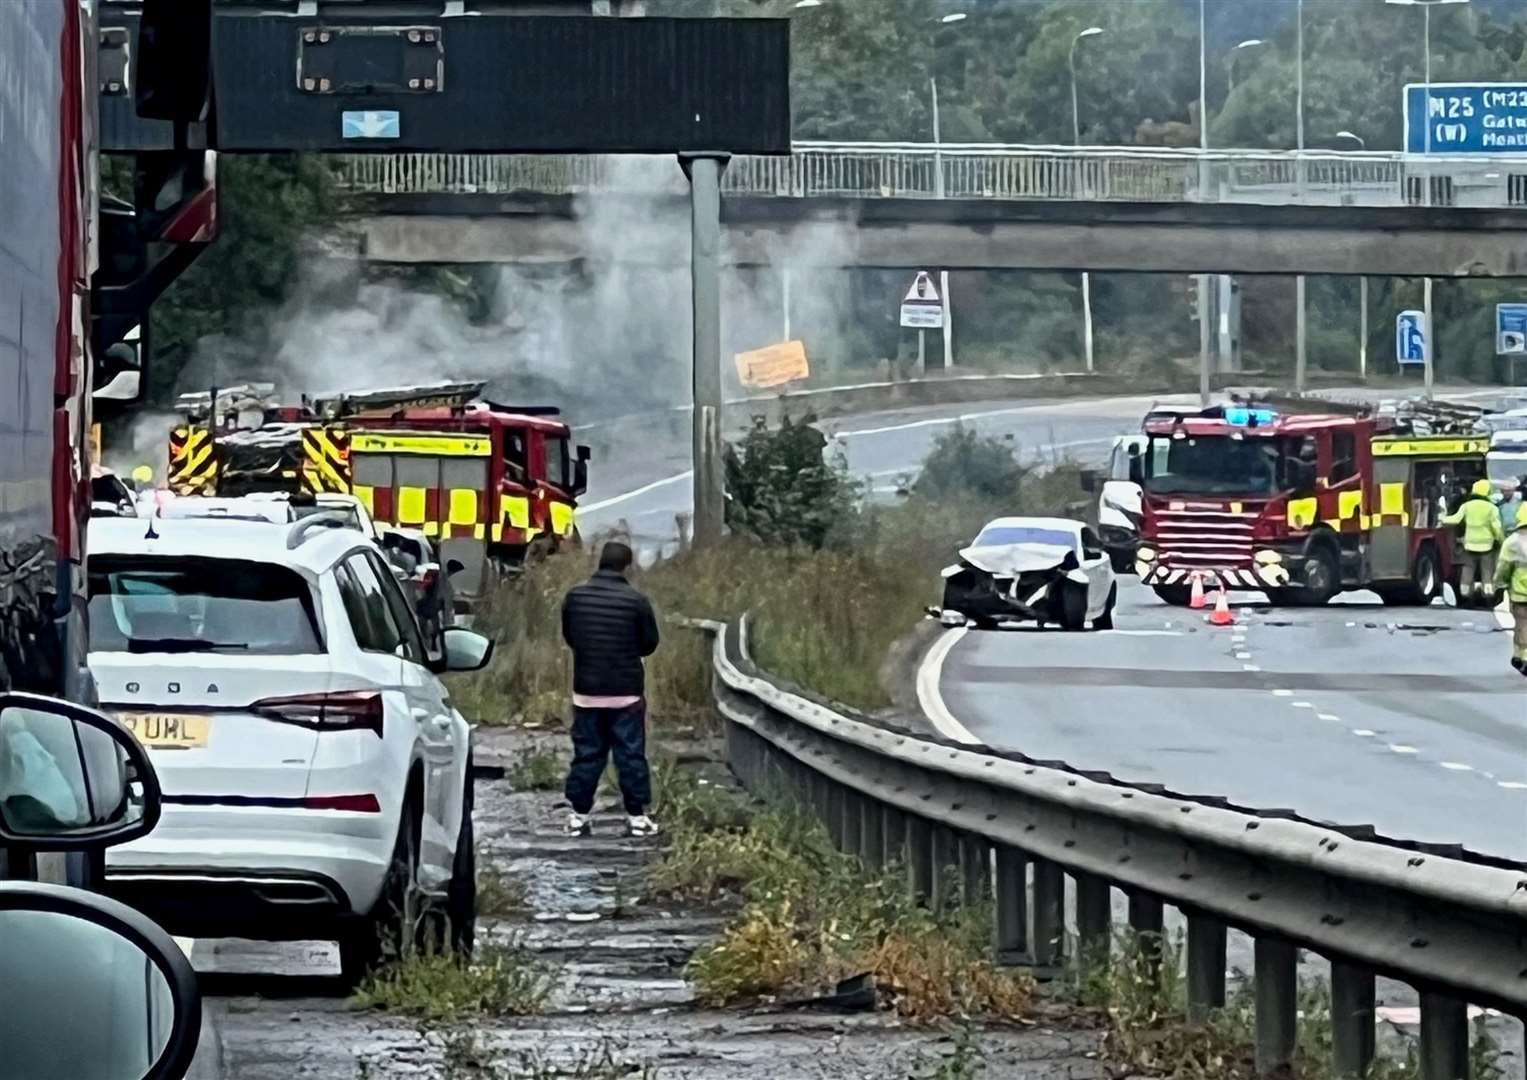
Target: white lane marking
x,y
1143,633
1243,656
961,419
1457,766
1302,704
929,674
1282,693
1401,748
1329,716
1511,785
617,499
1250,667
1363,733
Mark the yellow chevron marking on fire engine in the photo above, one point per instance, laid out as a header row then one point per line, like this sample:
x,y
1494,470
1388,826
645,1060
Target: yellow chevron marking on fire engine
x,y
439,445
1392,504
410,509
326,464
561,518
1428,447
1301,513
463,507
517,509
1349,506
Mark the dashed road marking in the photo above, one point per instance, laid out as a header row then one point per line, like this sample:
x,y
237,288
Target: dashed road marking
x,y
1364,733
1329,716
1282,693
1243,656
1457,766
1250,667
1511,785
1302,704
1401,748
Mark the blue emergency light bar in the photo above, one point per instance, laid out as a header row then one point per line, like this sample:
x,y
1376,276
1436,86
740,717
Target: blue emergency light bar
x,y
1241,416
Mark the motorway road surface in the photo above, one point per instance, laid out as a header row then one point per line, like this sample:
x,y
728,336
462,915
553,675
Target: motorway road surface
x,y
1406,719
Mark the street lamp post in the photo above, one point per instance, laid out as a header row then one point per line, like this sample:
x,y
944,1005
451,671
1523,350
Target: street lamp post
x,y
1299,319
938,193
1426,194
1362,283
1076,140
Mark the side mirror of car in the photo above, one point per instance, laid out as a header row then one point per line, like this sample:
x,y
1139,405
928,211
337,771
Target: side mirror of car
x,y
580,476
465,650
71,778
108,994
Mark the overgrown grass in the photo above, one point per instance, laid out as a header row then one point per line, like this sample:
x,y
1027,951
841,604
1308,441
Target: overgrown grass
x,y
811,916
501,895
469,1057
538,770
1148,1033
443,988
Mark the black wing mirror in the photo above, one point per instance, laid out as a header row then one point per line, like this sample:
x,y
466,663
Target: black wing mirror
x,y
71,778
108,994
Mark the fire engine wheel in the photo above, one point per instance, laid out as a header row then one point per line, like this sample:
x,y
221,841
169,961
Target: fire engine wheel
x,y
1176,595
1425,582
1322,580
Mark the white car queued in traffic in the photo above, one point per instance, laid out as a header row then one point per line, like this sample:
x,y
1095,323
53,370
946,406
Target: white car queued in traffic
x,y
316,775
1042,570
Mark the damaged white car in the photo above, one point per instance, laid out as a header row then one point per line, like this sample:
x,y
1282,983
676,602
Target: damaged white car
x,y
1041,570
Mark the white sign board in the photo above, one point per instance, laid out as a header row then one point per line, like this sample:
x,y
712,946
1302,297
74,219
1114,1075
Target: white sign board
x,y
921,308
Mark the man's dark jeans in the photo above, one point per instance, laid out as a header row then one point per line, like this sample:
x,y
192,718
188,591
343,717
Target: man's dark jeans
x,y
597,733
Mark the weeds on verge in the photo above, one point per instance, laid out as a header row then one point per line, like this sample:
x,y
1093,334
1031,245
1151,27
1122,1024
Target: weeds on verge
x,y
468,1057
444,988
812,916
966,1061
1147,1030
539,770
501,895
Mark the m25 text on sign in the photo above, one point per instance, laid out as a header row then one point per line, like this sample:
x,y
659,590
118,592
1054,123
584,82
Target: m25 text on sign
x,y
1466,118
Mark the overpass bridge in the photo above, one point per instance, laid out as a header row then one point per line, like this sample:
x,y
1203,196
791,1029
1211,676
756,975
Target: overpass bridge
x,y
970,207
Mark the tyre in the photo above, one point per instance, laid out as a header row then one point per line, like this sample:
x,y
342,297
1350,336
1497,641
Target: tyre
x,y
461,896
1105,620
1425,582
381,934
1122,562
1072,606
1176,595
1322,580
984,622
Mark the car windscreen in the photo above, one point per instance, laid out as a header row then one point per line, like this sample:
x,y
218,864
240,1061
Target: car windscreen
x,y
1509,464
1002,535
1222,465
178,604
352,520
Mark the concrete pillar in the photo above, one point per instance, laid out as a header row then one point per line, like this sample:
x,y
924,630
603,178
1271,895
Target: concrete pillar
x,y
1352,1001
1444,1038
704,173
1047,938
1206,965
871,833
1012,901
1094,921
920,859
1300,370
1276,985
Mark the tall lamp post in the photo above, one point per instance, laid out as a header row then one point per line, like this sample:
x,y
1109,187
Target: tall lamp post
x,y
1426,195
938,193
1076,140
1362,282
1299,310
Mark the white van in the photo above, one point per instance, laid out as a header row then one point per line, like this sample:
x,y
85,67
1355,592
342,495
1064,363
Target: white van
x,y
1120,502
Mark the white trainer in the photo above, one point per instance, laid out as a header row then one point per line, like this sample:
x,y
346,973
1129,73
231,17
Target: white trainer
x,y
641,825
580,824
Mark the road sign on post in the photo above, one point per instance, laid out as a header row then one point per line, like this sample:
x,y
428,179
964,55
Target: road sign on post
x,y
1410,337
921,308
1511,329
1466,118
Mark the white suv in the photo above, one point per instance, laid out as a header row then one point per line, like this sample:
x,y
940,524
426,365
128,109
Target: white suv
x,y
317,779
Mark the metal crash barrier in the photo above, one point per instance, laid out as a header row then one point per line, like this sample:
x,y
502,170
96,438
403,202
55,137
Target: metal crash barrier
x,y
1454,929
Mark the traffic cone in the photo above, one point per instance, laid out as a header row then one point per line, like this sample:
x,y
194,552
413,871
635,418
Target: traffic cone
x,y
1196,600
1221,615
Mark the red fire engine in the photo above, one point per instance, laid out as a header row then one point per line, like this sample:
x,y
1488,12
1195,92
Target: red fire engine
x,y
1302,505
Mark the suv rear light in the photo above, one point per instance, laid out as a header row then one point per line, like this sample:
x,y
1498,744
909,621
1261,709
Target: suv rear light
x,y
346,710
361,804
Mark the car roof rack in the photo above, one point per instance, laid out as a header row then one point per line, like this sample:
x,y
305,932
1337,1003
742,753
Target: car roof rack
x,y
302,529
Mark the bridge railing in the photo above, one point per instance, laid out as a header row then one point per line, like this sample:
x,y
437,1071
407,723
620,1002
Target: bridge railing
x,y
976,171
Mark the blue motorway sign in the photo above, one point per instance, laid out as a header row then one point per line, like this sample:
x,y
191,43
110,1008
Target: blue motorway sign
x,y
1410,337
1467,118
369,124
1510,329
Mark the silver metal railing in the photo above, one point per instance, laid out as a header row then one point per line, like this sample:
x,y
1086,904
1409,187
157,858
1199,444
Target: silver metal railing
x,y
967,822
976,171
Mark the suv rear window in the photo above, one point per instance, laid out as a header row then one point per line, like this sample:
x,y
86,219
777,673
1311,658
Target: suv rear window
x,y
157,604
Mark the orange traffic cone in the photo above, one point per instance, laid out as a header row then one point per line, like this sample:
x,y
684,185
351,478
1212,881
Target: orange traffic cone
x,y
1221,615
1196,600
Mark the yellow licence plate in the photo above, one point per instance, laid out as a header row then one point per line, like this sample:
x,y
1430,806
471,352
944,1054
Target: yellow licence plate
x,y
178,731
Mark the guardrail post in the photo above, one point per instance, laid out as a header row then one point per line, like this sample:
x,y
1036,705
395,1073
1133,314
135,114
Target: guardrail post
x,y
920,859
871,833
1148,920
1047,938
832,811
1444,1038
975,866
851,813
1277,989
946,862
894,833
1206,965
1094,921
1012,928
1352,1001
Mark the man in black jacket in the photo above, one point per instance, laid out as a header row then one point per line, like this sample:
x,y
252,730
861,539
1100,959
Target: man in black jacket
x,y
610,627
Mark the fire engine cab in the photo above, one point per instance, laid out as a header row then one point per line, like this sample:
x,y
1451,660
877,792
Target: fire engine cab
x,y
1303,504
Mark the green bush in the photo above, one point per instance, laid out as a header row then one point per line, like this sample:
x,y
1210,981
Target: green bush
x,y
780,488
964,463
